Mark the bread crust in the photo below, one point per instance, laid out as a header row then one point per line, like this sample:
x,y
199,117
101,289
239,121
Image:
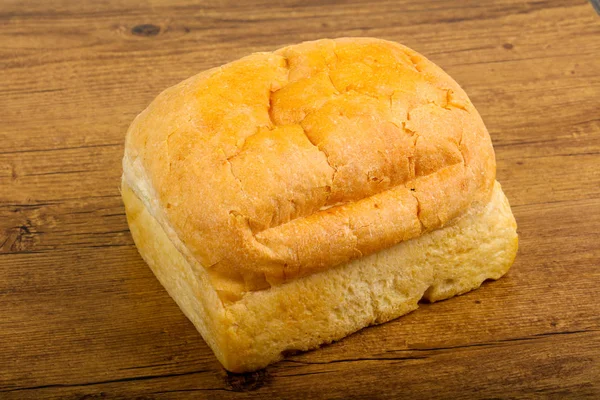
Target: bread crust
x,y
285,164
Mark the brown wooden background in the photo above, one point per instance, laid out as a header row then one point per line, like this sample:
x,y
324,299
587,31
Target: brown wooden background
x,y
82,317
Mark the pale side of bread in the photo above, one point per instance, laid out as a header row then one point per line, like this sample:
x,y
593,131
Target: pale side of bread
x,y
306,312
286,164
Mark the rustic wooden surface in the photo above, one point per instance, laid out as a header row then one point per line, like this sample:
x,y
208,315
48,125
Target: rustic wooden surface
x,y
81,316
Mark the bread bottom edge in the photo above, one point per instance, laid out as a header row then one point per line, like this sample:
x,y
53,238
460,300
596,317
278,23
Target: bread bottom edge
x,y
308,312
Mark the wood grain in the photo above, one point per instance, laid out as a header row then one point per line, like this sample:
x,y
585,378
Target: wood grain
x,y
82,316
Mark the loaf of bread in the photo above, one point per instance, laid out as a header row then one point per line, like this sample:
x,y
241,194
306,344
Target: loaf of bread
x,y
288,199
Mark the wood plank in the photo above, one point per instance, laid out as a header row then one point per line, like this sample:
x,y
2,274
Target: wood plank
x,y
82,316
74,306
562,367
71,77
87,171
63,225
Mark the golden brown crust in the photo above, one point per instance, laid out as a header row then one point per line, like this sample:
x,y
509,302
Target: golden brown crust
x,y
282,164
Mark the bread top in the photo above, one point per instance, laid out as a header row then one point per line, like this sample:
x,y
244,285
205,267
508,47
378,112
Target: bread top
x,y
282,164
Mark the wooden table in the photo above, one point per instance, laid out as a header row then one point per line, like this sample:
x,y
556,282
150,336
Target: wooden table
x,y
82,316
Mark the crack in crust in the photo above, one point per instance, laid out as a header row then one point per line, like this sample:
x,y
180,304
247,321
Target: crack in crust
x,y
296,161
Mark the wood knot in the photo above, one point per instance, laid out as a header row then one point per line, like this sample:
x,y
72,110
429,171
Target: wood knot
x,y
246,382
94,396
145,30
508,46
20,238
